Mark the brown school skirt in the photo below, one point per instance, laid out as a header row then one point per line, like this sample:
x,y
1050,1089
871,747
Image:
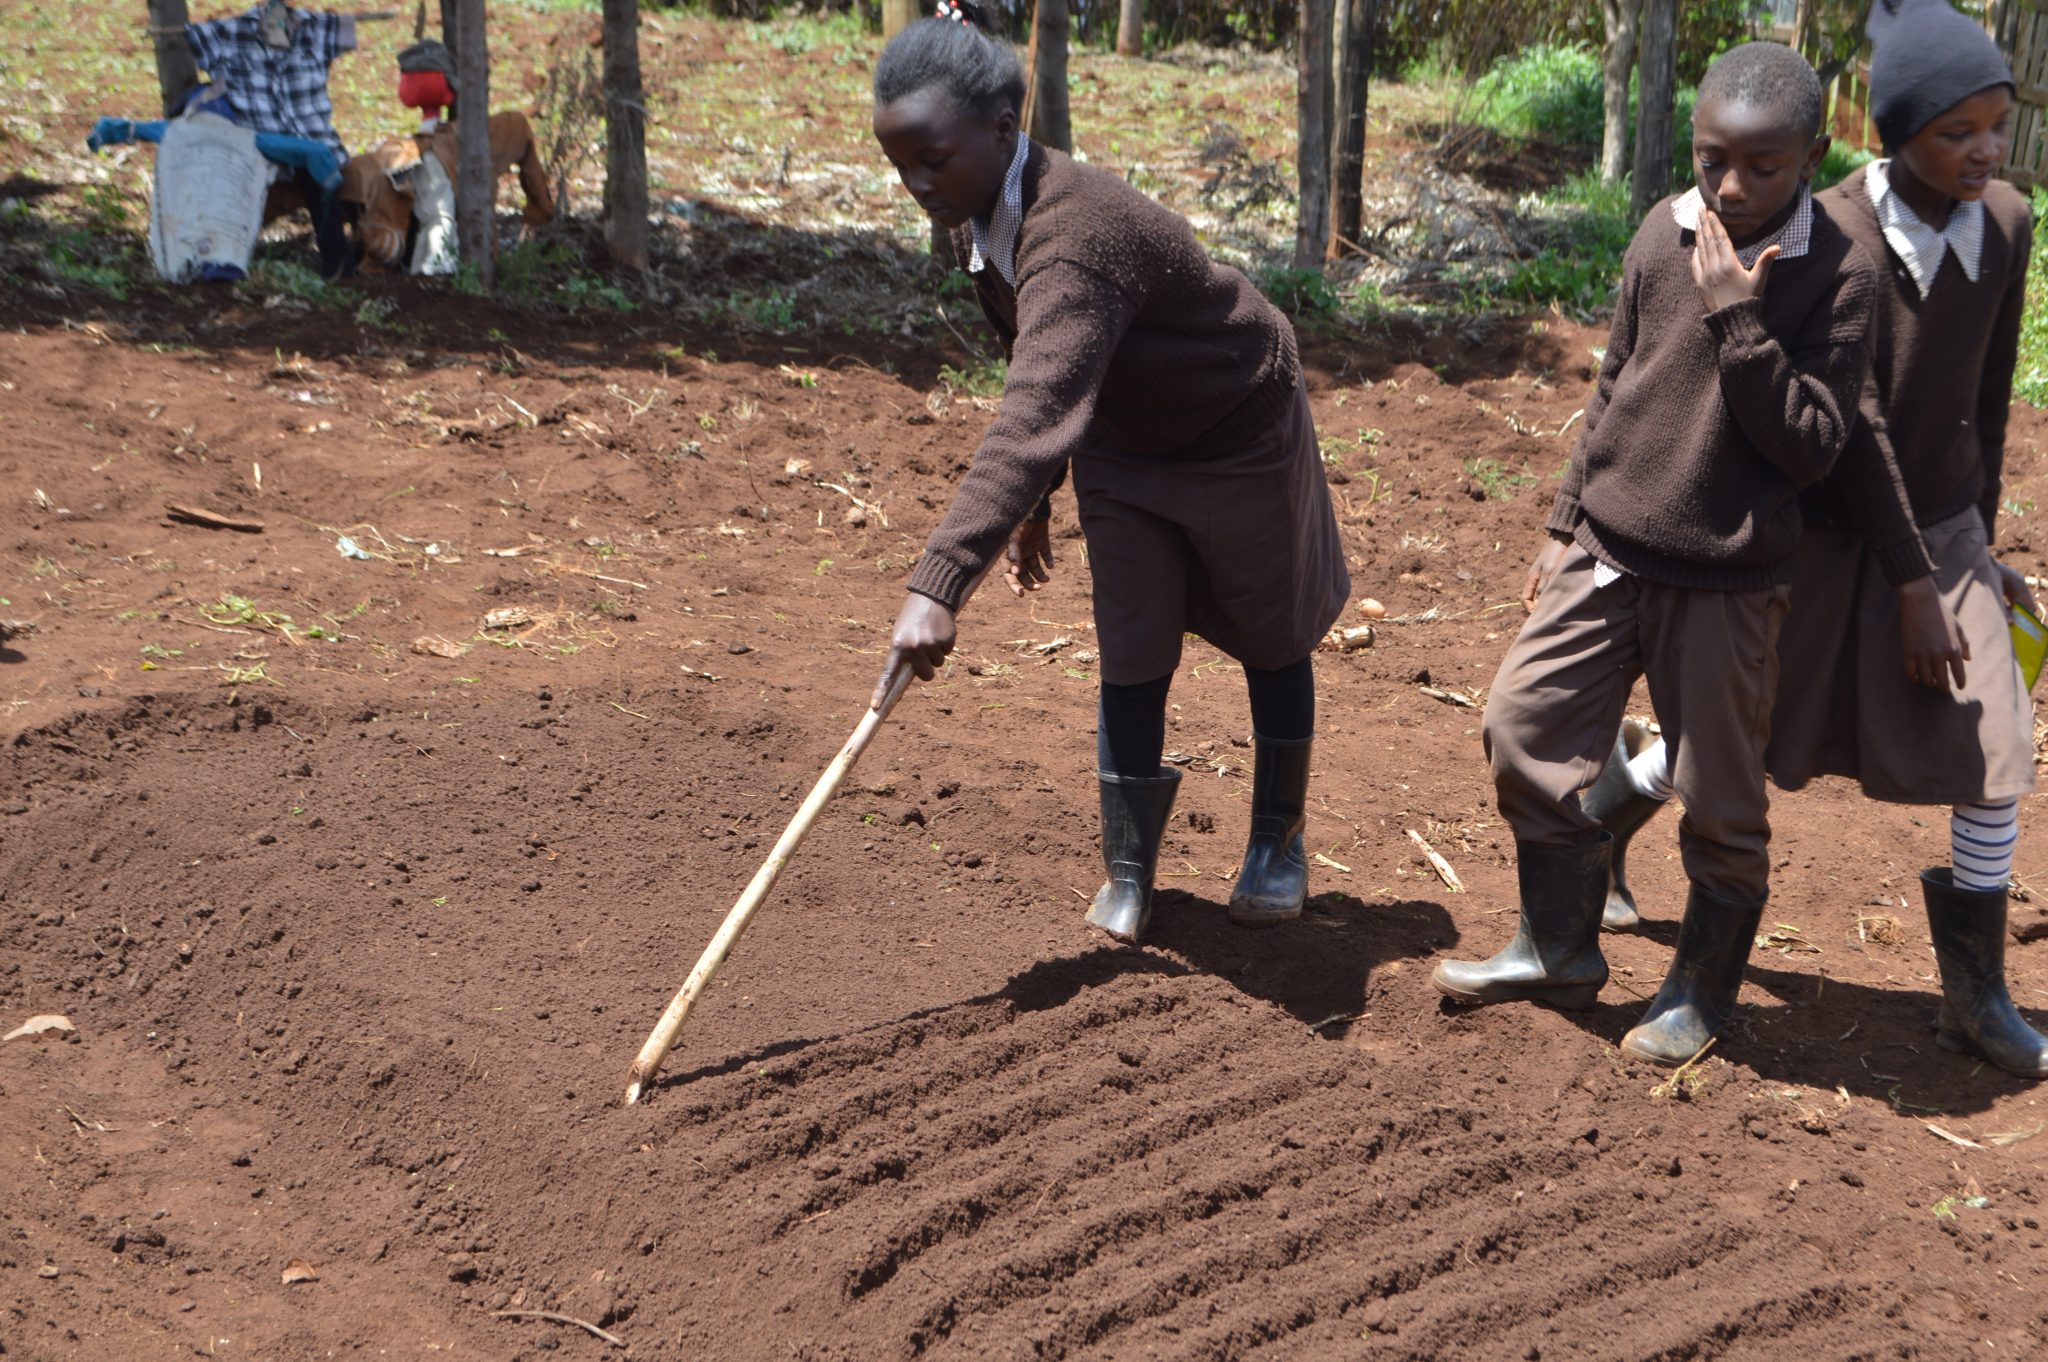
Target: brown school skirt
x,y
1846,706
1242,550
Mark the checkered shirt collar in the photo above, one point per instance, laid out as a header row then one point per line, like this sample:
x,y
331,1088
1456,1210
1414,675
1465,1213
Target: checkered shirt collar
x,y
1792,240
995,237
1919,246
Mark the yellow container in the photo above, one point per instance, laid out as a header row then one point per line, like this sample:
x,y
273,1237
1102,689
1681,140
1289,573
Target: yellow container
x,y
2029,643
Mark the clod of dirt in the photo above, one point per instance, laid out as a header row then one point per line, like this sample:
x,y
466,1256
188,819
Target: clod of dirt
x,y
41,1025
299,1270
1372,609
507,617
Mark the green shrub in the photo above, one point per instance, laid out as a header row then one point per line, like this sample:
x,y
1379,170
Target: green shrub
x,y
1302,294
1838,165
1586,232
1548,92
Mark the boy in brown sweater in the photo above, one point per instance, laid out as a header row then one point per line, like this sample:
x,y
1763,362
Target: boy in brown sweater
x,y
1899,664
1739,345
1174,389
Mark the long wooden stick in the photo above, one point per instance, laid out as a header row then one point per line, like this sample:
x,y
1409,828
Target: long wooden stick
x,y
735,925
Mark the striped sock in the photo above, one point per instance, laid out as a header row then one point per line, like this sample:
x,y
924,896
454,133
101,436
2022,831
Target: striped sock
x,y
1650,772
1982,839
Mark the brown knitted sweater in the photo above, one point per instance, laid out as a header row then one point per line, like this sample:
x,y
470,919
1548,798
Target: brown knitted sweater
x,y
1122,336
1703,426
1940,383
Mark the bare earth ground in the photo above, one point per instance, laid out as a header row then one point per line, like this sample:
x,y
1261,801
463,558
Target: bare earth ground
x,y
359,938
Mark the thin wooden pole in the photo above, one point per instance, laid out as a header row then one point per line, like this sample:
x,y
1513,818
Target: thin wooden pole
x,y
663,1037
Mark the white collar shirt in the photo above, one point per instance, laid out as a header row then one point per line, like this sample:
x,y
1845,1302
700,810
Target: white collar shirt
x,y
995,237
1921,247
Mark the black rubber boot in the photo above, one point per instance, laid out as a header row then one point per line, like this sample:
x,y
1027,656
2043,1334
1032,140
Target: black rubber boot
x,y
1134,810
1699,991
1273,882
1622,810
1977,1014
1555,955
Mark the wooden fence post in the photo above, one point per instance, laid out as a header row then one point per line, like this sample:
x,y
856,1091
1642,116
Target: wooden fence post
x,y
176,71
625,136
1313,107
475,184
1658,42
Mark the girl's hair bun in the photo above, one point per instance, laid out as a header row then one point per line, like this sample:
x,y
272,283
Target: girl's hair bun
x,y
966,12
953,49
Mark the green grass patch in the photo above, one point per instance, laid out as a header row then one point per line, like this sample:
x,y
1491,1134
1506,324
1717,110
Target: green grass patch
x,y
2030,375
984,378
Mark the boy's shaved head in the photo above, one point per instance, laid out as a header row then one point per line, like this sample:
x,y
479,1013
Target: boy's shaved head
x,y
1767,76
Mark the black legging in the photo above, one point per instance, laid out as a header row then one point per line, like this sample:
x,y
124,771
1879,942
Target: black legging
x,y
1130,730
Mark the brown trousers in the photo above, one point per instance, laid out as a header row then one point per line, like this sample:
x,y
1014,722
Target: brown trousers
x,y
1711,661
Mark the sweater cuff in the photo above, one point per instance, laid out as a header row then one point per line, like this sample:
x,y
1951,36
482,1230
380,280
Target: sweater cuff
x,y
1564,517
1740,324
1905,561
940,580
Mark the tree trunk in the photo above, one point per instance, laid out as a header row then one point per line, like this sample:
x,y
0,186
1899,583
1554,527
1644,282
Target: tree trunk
x,y
176,71
1313,108
1347,159
475,185
625,136
896,15
1658,41
1617,60
1130,29
1045,106
451,29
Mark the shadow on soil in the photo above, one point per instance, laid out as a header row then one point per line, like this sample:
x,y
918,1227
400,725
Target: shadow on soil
x,y
1825,1033
1319,968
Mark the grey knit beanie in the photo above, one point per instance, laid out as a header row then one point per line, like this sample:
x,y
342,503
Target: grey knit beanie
x,y
1925,59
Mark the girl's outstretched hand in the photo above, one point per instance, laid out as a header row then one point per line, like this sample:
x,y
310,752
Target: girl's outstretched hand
x,y
1935,648
1029,556
924,635
1717,270
1541,571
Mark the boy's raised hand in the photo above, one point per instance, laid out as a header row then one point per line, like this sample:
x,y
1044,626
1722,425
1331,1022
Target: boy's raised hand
x,y
1718,273
1935,648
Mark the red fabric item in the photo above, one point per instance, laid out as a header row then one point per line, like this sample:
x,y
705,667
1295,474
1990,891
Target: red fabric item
x,y
426,91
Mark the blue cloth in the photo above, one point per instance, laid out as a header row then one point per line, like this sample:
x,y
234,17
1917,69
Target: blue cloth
x,y
293,153
278,92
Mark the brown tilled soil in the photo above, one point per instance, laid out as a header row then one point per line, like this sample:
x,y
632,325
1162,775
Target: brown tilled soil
x,y
359,939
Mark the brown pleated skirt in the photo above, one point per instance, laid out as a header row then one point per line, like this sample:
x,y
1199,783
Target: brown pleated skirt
x,y
1241,550
1845,705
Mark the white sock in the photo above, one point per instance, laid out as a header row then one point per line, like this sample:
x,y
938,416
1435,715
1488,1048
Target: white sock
x,y
1650,772
1982,839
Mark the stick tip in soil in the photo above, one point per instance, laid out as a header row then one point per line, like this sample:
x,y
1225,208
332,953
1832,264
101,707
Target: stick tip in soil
x,y
632,1092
